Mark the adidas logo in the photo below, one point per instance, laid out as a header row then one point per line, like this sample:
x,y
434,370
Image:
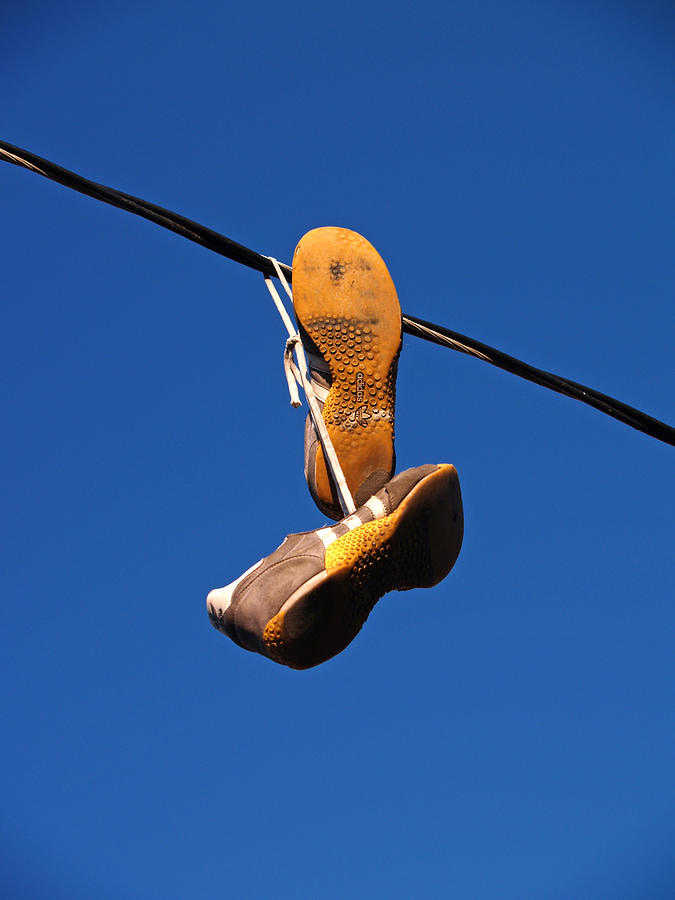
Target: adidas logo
x,y
360,415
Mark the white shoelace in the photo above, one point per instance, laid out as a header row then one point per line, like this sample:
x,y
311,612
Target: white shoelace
x,y
297,374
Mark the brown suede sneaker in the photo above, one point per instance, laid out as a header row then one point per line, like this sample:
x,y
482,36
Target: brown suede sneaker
x,y
308,600
349,320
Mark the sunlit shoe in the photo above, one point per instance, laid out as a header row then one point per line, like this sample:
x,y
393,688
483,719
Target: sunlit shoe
x,y
349,319
306,601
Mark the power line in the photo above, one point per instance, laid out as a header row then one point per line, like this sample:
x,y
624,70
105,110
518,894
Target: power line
x,y
608,405
437,334
193,231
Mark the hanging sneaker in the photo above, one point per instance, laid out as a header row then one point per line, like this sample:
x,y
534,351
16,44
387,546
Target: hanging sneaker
x,y
349,319
306,601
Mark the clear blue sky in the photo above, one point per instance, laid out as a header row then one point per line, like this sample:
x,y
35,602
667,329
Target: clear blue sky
x,y
508,735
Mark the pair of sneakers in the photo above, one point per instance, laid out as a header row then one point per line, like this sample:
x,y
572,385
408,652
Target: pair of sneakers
x,y
307,601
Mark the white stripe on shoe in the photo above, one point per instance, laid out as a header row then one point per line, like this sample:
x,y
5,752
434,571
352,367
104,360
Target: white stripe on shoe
x,y
326,536
377,507
352,521
373,509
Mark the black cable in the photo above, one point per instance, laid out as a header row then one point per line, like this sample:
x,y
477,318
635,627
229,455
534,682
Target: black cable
x,y
437,334
193,231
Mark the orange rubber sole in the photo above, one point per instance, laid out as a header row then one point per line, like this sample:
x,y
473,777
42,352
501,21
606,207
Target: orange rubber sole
x,y
346,302
413,547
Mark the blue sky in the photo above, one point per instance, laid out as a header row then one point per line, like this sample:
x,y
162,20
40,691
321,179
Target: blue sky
x,y
508,734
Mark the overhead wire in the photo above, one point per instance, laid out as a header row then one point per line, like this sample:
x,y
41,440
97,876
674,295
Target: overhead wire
x,y
412,325
637,419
